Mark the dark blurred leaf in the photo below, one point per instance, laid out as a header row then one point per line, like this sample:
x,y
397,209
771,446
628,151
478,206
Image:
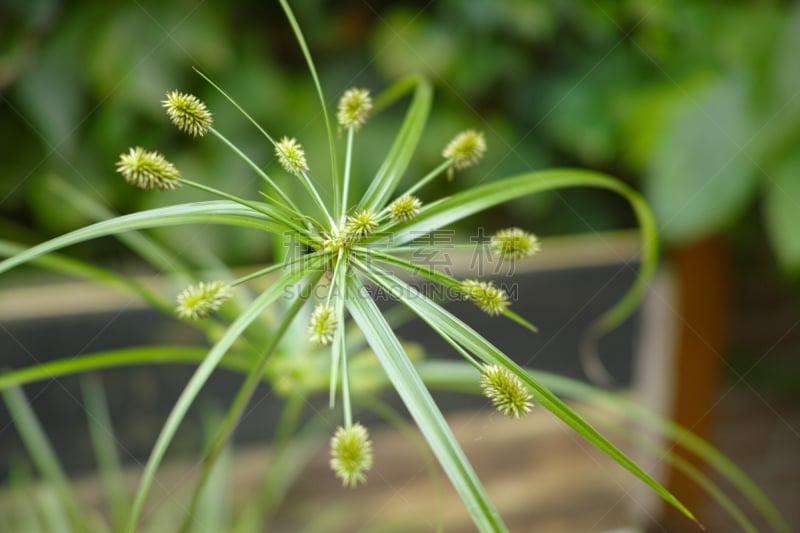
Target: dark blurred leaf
x,y
786,75
51,92
582,105
700,176
404,43
643,123
129,57
782,213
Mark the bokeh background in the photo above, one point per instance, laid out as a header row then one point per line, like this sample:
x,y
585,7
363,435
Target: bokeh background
x,y
695,104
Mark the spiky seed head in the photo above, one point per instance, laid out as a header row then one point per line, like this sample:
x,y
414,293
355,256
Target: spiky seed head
x,y
291,155
361,224
322,325
148,170
354,108
351,454
492,300
199,301
405,208
514,243
506,391
188,113
466,149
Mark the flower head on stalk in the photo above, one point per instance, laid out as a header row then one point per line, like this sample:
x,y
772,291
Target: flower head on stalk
x,y
322,325
199,301
492,300
351,454
466,149
291,156
188,113
148,170
506,391
514,243
354,108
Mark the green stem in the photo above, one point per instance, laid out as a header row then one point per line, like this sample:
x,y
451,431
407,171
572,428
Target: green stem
x,y
316,197
307,55
337,283
292,451
41,451
255,167
101,432
428,178
278,266
347,161
341,343
238,107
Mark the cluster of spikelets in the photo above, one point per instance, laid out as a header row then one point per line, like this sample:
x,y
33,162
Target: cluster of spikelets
x,y
351,448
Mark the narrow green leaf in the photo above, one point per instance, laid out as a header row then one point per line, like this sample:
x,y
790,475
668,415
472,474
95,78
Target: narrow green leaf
x,y
213,511
293,449
520,320
144,246
104,443
63,502
51,511
216,212
107,359
457,376
75,267
782,213
199,378
441,278
423,410
273,212
394,92
255,376
396,162
460,205
475,343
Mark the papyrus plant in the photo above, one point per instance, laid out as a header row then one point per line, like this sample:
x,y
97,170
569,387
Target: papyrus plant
x,y
347,244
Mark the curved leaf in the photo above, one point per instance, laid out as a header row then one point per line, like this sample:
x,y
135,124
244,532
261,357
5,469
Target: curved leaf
x,y
396,162
471,201
441,319
215,212
459,376
419,403
199,378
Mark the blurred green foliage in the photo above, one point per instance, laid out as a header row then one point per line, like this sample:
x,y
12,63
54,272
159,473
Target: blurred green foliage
x,y
696,102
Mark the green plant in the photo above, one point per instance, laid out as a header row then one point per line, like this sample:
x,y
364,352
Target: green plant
x,y
341,247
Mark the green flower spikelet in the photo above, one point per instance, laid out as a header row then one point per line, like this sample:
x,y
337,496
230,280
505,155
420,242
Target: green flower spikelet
x,y
148,170
514,243
361,224
322,325
506,391
354,108
199,301
492,300
291,156
466,149
405,208
188,113
351,454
